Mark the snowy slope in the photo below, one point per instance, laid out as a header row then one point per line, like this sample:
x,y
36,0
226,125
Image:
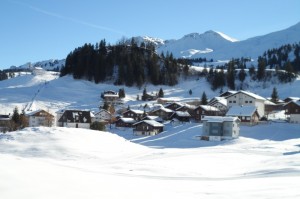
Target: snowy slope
x,y
76,163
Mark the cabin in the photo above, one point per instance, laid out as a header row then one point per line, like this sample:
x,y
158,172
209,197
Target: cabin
x,y
220,103
205,110
162,112
4,123
174,106
155,118
217,128
103,116
149,97
289,99
40,118
244,98
247,114
147,127
181,116
135,114
292,110
125,122
110,96
76,119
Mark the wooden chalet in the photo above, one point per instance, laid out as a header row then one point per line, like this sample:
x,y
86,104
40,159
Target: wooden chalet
x,y
76,119
162,112
292,110
205,110
125,122
4,123
247,114
147,127
135,114
181,116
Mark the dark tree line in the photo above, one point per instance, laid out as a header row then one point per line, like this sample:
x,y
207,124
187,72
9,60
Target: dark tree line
x,y
124,63
3,75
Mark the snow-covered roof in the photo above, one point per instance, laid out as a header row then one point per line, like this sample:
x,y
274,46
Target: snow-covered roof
x,y
220,119
111,95
177,103
136,111
221,100
4,117
127,120
241,111
268,102
292,98
209,108
152,117
102,110
163,109
182,114
249,94
34,112
151,122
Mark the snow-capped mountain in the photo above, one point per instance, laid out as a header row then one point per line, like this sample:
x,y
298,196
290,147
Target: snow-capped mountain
x,y
218,46
52,64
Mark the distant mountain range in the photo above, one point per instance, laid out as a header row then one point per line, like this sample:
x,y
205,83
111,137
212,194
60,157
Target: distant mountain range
x,y
219,46
210,45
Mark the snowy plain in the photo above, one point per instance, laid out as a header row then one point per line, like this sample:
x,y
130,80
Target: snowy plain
x,y
76,163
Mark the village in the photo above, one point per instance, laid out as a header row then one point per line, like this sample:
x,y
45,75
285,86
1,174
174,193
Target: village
x,y
220,116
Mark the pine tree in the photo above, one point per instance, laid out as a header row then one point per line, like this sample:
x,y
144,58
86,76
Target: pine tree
x,y
261,69
16,116
144,96
160,93
190,92
274,95
204,99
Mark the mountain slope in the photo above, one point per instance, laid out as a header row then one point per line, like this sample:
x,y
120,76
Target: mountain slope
x,y
218,46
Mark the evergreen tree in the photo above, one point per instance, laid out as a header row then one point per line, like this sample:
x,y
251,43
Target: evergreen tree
x,y
144,96
99,126
160,93
16,116
121,93
261,69
190,92
105,106
274,95
204,99
231,75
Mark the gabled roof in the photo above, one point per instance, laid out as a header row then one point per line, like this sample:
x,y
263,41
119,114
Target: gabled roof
x,y
163,109
208,108
182,114
220,119
241,111
127,120
221,100
291,99
249,94
37,111
177,103
226,93
149,117
135,111
151,123
294,102
71,115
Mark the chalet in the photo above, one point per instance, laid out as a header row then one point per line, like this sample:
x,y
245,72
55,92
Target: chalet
x,y
76,119
110,96
289,99
155,118
187,108
40,118
135,114
292,109
205,110
220,103
4,123
181,116
103,116
243,98
217,128
125,122
246,114
174,106
149,97
147,127
162,112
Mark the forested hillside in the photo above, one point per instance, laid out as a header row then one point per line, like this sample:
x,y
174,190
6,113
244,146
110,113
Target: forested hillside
x,y
129,64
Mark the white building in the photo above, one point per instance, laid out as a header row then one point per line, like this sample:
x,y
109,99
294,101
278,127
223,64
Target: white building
x,y
40,118
103,116
243,98
217,128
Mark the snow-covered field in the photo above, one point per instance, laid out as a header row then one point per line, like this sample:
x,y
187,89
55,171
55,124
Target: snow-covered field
x,y
75,163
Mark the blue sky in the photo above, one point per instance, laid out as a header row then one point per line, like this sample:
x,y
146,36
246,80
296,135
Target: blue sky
x,y
36,30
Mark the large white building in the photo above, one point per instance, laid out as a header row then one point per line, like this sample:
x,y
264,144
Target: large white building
x,y
40,118
244,98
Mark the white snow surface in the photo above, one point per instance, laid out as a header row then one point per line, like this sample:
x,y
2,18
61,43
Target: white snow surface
x,y
78,163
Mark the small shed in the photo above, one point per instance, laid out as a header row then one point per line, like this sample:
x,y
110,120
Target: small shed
x,y
247,114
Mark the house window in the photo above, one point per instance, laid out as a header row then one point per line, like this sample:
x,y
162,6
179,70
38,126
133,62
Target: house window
x,y
234,101
203,112
296,110
250,102
246,102
230,101
248,118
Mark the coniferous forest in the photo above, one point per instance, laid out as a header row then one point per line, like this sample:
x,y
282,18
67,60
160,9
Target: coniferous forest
x,y
125,63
